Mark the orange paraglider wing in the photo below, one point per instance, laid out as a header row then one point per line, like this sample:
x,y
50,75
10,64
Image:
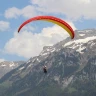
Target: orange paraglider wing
x,y
52,19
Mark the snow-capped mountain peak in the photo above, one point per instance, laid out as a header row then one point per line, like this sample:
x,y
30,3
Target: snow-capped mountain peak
x,y
7,66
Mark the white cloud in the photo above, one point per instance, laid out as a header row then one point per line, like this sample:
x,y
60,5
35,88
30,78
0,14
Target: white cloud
x,y
27,44
12,12
1,60
85,1
27,11
4,26
73,9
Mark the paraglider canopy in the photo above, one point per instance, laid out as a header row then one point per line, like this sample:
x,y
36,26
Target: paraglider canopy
x,y
52,19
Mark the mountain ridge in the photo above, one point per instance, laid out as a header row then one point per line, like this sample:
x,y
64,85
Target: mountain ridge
x,y
70,63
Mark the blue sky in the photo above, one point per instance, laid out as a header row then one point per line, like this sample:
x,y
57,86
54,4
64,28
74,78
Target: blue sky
x,y
80,14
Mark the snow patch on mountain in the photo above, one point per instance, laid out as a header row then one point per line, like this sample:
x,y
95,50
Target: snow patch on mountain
x,y
21,68
3,65
57,78
82,34
85,31
28,61
47,51
67,81
80,49
79,43
11,64
38,60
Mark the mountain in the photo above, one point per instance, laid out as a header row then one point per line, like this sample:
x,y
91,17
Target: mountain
x,y
71,70
6,66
